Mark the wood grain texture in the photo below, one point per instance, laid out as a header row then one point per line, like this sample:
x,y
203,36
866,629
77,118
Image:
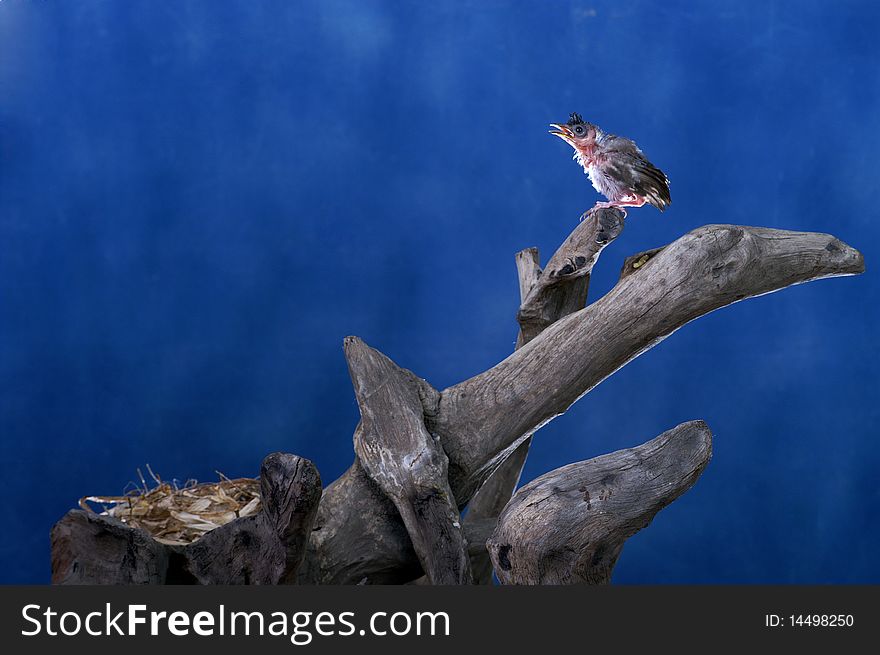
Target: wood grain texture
x,y
266,548
561,288
269,547
562,291
92,549
481,421
708,268
406,462
488,503
528,270
569,525
358,537
423,454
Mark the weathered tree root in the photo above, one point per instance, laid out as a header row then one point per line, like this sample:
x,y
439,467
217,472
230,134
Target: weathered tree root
x,y
569,525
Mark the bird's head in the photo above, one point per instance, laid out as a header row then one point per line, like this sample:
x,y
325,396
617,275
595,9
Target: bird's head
x,y
576,133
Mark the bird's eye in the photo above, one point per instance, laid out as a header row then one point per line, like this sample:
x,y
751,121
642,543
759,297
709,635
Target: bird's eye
x,y
579,130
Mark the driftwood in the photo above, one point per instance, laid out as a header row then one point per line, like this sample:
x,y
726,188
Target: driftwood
x,y
545,297
407,463
481,419
568,526
88,548
424,455
480,422
266,548
561,288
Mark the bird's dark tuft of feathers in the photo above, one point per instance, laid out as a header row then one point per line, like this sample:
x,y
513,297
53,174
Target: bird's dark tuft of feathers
x,y
575,119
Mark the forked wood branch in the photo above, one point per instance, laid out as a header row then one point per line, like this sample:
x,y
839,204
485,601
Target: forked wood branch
x,y
423,454
485,417
561,288
569,525
482,421
406,462
549,297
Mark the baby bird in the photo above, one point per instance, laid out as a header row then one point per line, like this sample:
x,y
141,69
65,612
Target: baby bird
x,y
615,165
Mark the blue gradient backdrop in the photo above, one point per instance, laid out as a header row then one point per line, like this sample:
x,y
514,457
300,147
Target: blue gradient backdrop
x,y
199,200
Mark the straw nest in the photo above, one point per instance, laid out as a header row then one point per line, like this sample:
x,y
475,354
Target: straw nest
x,y
180,515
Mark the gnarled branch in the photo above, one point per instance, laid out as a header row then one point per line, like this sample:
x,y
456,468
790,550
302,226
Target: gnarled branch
x,y
545,297
561,288
569,525
406,462
481,421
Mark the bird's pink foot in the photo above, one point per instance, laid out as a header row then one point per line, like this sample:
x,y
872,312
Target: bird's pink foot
x,y
628,201
622,204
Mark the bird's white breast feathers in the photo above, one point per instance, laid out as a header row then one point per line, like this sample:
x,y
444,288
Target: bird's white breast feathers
x,y
601,183
595,177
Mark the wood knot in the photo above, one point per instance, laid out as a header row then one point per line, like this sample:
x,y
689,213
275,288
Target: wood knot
x,y
504,557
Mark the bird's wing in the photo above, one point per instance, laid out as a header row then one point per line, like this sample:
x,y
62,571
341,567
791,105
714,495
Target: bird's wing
x,y
628,164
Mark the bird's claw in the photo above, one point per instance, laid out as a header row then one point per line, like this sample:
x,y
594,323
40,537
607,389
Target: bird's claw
x,y
587,214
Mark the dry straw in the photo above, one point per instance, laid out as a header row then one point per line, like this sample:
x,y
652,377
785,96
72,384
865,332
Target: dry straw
x,y
180,515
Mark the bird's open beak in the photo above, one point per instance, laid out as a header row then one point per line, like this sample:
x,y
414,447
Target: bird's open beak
x,y
563,132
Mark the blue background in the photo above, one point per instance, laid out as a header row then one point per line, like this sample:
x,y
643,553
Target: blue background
x,y
199,200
